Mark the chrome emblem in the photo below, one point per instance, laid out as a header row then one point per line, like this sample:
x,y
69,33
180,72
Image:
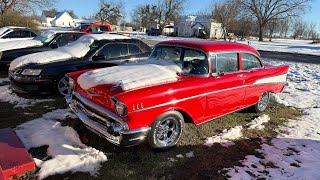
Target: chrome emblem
x,y
119,83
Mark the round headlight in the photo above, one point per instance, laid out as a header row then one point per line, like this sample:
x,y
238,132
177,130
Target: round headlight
x,y
121,109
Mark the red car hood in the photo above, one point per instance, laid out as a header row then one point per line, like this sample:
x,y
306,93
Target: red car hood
x,y
102,94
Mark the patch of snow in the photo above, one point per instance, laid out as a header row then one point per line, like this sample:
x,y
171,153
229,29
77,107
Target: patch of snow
x,y
179,156
190,154
68,153
172,159
18,44
257,122
77,49
133,75
4,80
286,45
226,137
295,151
6,95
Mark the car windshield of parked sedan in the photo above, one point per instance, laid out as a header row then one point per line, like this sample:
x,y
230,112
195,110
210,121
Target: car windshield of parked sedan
x,y
191,61
81,27
43,39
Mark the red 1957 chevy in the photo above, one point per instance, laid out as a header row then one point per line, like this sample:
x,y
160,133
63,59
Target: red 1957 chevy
x,y
182,80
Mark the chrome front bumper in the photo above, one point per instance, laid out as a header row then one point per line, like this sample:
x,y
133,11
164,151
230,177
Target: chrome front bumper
x,y
99,120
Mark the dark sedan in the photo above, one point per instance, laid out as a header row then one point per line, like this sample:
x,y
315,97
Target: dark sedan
x,y
49,40
49,77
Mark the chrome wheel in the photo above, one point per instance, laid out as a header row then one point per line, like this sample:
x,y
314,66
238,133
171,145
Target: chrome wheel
x,y
63,86
263,102
168,131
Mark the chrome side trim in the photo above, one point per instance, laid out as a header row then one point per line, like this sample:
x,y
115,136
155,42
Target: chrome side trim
x,y
199,95
101,110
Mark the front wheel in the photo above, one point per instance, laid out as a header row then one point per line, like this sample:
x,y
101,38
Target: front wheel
x,y
166,130
262,103
62,86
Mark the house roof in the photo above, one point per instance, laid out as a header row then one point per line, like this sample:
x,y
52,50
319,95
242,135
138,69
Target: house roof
x,y
195,19
211,46
49,14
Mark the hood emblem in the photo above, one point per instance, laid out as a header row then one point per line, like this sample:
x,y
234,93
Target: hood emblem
x,y
119,83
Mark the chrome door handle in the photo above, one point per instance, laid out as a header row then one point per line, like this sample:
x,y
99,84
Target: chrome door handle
x,y
241,75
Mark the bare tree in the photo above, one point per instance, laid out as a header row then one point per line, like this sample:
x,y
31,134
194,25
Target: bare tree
x,y
110,12
168,10
266,10
225,13
142,15
272,27
24,6
298,28
284,27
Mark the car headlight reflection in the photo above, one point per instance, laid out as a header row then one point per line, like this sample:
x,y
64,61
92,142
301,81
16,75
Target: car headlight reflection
x,y
121,109
31,72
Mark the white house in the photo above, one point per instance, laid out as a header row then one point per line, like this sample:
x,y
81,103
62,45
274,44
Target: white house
x,y
198,26
60,19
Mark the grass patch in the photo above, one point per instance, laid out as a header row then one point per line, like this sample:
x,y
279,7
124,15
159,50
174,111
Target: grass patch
x,y
140,162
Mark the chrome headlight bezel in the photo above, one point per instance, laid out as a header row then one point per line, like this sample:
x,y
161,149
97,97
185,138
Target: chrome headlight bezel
x,y
121,108
31,72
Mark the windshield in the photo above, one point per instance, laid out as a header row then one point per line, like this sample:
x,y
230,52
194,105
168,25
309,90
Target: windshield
x,y
191,61
81,27
42,39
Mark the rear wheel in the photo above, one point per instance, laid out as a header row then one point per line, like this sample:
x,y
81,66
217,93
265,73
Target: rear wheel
x,y
62,86
166,130
263,102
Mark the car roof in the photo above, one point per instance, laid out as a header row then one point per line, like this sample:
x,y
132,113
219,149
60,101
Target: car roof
x,y
211,46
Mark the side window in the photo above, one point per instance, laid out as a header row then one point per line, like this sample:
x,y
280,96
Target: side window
x,y
13,34
104,28
64,39
133,49
113,51
195,62
93,29
33,34
227,62
168,53
249,61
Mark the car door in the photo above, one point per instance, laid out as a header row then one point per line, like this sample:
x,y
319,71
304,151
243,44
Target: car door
x,y
225,90
253,69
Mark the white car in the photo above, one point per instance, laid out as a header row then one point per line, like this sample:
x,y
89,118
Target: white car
x,y
9,33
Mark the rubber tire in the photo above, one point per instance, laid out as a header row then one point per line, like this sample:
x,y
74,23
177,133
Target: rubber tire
x,y
256,106
56,85
152,134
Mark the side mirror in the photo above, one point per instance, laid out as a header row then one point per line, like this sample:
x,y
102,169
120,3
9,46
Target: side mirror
x,y
54,46
220,73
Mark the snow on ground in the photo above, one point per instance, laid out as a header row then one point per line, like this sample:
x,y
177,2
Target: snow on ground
x,y
6,95
295,152
257,122
77,49
4,80
286,45
133,75
67,151
279,45
226,137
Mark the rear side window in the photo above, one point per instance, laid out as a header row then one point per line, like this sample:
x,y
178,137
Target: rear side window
x,y
114,51
64,39
226,62
250,61
104,28
133,49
